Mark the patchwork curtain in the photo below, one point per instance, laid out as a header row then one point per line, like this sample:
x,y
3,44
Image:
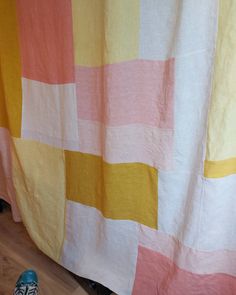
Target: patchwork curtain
x,y
118,138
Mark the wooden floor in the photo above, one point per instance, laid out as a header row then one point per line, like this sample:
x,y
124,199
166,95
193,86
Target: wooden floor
x,y
17,253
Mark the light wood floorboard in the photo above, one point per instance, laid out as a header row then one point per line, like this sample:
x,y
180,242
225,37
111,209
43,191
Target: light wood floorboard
x,y
18,252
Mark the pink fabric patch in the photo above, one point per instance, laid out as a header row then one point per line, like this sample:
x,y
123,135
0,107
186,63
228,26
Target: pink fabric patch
x,y
192,260
5,162
3,185
138,92
7,191
156,274
46,40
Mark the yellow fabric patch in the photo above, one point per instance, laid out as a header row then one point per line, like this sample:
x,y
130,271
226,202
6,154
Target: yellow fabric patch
x,y
39,179
119,191
216,169
3,113
221,142
10,70
105,32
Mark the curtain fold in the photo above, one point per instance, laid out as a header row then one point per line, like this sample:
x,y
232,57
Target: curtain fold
x,y
117,128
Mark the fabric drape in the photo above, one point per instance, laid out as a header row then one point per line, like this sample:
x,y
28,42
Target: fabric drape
x,y
118,140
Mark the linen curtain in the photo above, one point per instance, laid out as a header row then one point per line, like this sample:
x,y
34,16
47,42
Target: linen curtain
x,y
118,138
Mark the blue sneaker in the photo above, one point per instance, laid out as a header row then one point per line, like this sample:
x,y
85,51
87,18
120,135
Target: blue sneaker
x,y
27,284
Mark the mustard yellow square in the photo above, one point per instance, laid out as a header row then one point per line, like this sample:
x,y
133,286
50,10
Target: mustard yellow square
x,y
10,69
125,191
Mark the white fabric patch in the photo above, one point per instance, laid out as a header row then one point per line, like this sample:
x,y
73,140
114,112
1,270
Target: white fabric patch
x,y
218,211
192,92
127,144
173,28
50,113
100,249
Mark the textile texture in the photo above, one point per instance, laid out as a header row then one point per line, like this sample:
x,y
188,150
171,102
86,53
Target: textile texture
x,y
118,139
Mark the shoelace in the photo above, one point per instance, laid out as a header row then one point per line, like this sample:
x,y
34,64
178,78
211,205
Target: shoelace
x,y
29,289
